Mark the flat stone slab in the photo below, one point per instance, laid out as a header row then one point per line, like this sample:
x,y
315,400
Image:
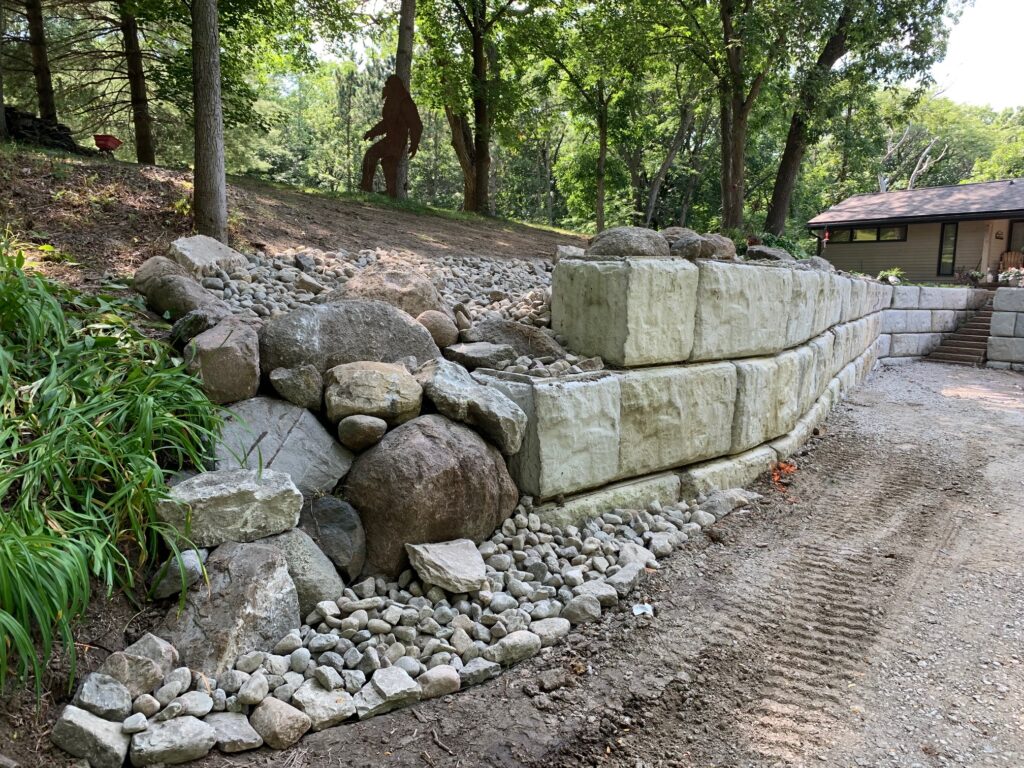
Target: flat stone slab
x,y
452,565
202,256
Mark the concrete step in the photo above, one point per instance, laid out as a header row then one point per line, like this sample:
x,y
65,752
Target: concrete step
x,y
974,346
954,357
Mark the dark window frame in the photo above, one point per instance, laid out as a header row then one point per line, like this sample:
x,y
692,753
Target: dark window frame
x,y
878,235
942,240
1009,232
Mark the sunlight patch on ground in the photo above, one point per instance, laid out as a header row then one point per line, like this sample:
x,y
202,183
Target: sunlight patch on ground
x,y
987,397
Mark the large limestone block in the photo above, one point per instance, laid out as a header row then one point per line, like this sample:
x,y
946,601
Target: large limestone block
x,y
917,321
572,433
632,494
793,440
768,397
913,344
731,472
883,345
202,256
906,297
894,321
631,312
845,286
1003,323
806,304
946,298
818,375
827,313
858,298
841,348
944,320
1006,350
883,297
740,310
1009,300
670,417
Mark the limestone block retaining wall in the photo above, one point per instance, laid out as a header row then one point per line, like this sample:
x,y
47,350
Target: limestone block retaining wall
x,y
760,376
920,318
1006,335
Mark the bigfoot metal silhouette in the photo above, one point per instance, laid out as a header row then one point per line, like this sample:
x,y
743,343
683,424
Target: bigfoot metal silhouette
x,y
400,123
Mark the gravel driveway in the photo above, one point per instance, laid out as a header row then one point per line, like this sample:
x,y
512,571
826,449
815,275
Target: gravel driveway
x,y
869,613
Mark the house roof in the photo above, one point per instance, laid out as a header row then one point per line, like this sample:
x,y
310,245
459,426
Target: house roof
x,y
983,200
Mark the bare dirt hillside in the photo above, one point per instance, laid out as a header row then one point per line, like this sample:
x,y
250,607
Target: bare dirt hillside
x,y
105,218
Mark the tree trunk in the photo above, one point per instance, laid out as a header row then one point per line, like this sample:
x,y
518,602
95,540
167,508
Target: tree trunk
x,y
481,116
462,143
40,61
403,68
602,162
685,126
3,33
734,149
210,197
145,148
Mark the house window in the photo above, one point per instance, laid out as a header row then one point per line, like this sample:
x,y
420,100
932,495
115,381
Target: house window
x,y
868,235
947,249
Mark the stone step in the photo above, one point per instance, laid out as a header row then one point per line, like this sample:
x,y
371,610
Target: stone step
x,y
954,357
979,345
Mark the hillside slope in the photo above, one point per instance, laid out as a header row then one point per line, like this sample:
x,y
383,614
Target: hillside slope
x,y
104,218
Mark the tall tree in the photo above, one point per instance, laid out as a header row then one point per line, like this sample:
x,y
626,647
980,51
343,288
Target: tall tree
x,y
210,204
145,147
897,40
40,60
403,68
3,36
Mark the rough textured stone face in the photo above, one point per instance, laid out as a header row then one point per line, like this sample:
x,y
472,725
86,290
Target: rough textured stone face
x,y
104,696
807,297
324,708
683,242
1008,300
458,396
738,311
226,359
232,505
383,390
272,434
1006,350
674,416
455,566
302,386
202,256
629,312
913,344
628,242
730,472
524,339
138,674
572,434
428,480
768,397
99,741
152,270
716,246
767,253
234,734
480,354
174,741
906,297
631,494
280,724
336,528
442,328
1003,324
196,322
328,335
408,290
312,572
162,653
177,295
249,605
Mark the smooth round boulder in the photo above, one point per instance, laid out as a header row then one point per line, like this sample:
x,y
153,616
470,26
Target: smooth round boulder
x,y
628,243
407,289
428,480
716,246
683,242
328,335
442,328
357,433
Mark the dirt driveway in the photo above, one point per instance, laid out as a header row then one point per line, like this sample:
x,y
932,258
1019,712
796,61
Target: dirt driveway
x,y
870,614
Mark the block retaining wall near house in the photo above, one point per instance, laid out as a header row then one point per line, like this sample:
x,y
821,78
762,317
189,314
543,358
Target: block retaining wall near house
x,y
1006,335
920,318
742,362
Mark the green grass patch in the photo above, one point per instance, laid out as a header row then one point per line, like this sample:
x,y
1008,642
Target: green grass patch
x,y
94,416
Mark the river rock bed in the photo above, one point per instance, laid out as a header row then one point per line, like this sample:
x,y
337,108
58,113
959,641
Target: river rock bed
x,y
382,644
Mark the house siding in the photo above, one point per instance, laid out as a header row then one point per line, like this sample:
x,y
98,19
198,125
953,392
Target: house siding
x,y
917,256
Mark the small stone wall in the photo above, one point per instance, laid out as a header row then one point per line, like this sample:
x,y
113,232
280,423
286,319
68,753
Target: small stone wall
x,y
748,359
1006,337
920,318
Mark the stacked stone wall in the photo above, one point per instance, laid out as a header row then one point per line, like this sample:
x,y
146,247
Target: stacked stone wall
x,y
920,318
1006,335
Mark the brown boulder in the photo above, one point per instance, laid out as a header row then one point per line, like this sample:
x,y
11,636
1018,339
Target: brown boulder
x,y
426,481
406,289
524,339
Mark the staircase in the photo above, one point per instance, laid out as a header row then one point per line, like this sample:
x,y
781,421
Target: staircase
x,y
969,343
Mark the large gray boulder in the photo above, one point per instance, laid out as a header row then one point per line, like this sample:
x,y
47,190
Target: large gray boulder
x,y
324,708
384,390
82,734
683,242
407,289
152,270
232,505
480,354
226,359
428,480
327,335
249,604
104,696
234,734
280,724
314,575
456,566
628,243
202,256
458,396
767,253
336,528
171,742
716,246
196,322
273,434
177,295
524,339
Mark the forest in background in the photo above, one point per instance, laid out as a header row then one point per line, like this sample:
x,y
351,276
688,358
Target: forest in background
x,y
747,116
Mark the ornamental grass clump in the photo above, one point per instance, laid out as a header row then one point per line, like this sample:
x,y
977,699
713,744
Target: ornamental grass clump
x,y
94,416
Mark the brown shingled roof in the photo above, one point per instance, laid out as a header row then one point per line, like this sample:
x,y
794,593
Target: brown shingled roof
x,y
961,201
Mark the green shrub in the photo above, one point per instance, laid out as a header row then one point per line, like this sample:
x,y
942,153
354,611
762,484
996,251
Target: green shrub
x,y
896,272
93,418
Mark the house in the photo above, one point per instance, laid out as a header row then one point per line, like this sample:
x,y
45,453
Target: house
x,y
932,233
